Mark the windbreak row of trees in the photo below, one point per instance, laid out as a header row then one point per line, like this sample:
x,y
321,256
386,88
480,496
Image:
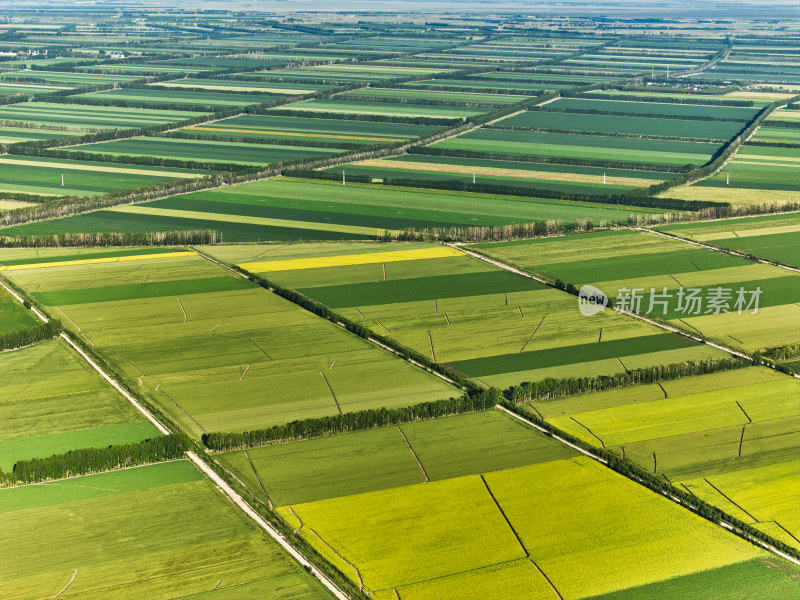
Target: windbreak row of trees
x,y
355,421
549,388
97,460
127,238
30,335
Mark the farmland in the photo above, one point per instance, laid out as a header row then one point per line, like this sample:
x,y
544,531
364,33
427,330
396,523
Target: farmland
x,y
292,302
516,328
726,438
653,263
200,309
158,516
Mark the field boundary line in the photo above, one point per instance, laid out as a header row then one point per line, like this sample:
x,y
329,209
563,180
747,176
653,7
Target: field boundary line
x,y
299,520
749,420
430,341
502,512
602,444
220,263
419,462
234,497
59,594
553,435
547,579
203,429
332,549
719,248
261,483
729,499
330,389
789,533
183,310
530,337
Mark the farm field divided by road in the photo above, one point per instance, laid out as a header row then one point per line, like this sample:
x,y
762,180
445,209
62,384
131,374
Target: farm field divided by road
x,y
288,302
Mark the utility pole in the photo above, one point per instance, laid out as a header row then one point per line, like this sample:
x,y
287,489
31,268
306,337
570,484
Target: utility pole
x,y
62,180
473,178
604,178
343,182
727,178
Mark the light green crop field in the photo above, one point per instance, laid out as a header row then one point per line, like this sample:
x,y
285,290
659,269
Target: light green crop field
x,y
651,263
763,496
383,108
198,334
627,536
182,535
102,117
70,408
381,458
13,315
490,324
301,210
60,177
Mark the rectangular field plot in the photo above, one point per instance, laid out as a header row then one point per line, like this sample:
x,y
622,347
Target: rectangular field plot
x,y
187,333
86,532
586,147
63,177
71,408
579,548
385,458
204,150
324,131
387,109
181,97
96,117
302,210
774,237
685,111
562,178
633,126
14,316
659,269
487,323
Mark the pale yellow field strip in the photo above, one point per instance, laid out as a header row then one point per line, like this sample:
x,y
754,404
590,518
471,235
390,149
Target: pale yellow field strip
x,y
299,134
233,88
96,168
498,172
766,164
759,95
746,232
40,86
760,159
368,258
12,204
94,261
222,218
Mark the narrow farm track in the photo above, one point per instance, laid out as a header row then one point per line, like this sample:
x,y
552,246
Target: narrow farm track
x,y
66,587
416,458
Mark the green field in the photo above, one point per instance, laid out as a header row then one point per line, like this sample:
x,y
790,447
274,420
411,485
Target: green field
x,y
653,264
205,151
380,459
63,177
287,210
98,117
581,147
488,323
70,408
772,237
580,547
182,535
13,316
687,111
387,109
172,97
272,352
633,126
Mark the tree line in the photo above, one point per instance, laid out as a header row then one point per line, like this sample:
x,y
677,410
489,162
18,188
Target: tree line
x,y
127,238
30,335
365,419
97,460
